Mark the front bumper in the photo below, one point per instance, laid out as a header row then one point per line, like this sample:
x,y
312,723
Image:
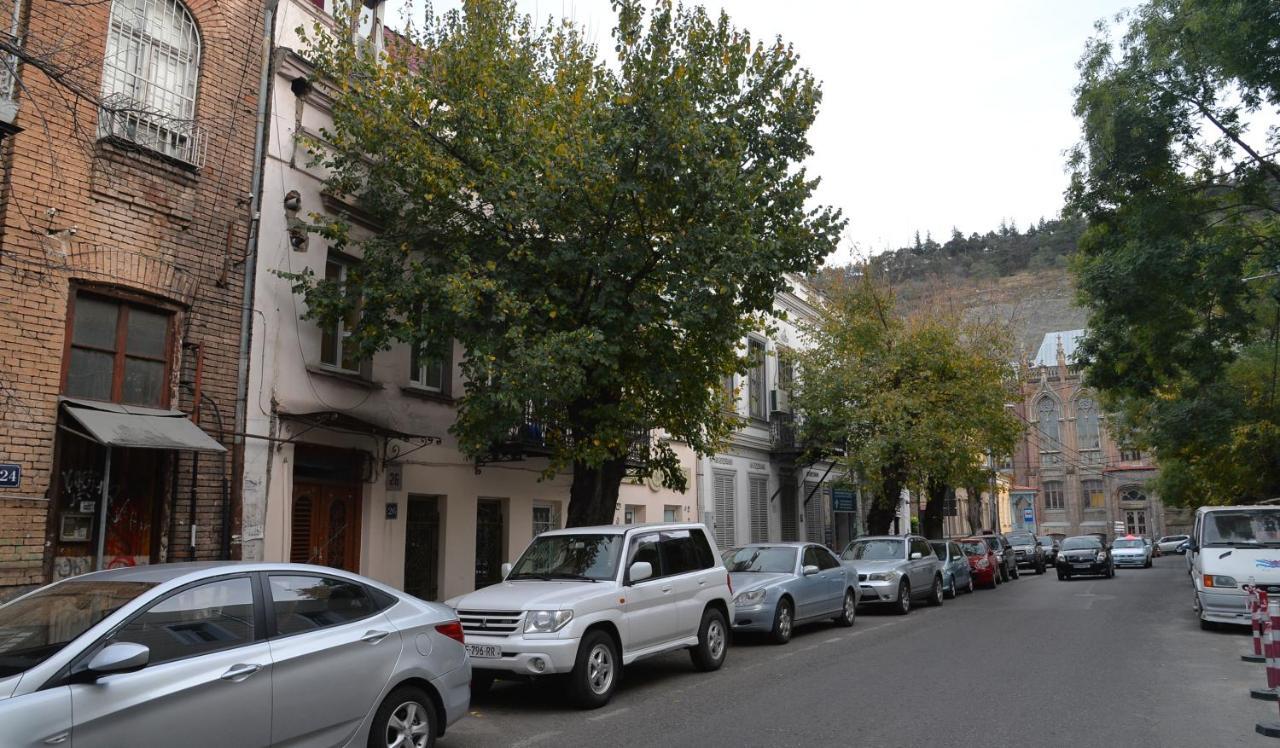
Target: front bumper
x,y
875,592
1131,560
1224,606
1026,559
756,618
526,656
1098,568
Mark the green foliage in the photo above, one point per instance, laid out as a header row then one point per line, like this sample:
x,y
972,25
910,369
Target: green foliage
x,y
598,237
1179,192
908,401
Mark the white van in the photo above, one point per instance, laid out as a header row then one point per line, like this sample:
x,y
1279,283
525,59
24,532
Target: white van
x,y
1230,547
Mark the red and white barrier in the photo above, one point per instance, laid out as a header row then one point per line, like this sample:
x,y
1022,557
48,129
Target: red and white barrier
x,y
1256,608
1270,649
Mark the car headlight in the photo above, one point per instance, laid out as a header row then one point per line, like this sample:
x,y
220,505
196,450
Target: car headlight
x,y
748,598
882,576
1102,556
546,621
983,564
1218,580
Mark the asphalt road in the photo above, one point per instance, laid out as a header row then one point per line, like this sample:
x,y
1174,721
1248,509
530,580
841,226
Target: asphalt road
x,y
1036,662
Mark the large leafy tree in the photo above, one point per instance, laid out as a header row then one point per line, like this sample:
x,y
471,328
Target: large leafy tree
x,y
1178,178
904,402
598,237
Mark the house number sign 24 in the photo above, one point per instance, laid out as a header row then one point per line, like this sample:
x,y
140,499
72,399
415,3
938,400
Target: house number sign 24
x,y
10,475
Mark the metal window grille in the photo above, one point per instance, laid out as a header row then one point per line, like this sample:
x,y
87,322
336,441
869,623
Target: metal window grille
x,y
759,495
149,78
725,497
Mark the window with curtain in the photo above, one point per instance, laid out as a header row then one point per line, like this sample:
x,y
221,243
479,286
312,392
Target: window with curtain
x,y
1091,492
1053,495
149,77
1047,422
1088,435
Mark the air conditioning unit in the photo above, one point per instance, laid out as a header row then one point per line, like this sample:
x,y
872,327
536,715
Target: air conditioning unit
x,y
779,401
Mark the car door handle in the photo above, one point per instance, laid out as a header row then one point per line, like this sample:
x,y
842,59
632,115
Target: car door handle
x,y
237,673
666,589
58,739
702,583
373,637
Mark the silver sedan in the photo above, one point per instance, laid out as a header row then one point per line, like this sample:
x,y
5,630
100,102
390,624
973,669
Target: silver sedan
x,y
779,585
222,654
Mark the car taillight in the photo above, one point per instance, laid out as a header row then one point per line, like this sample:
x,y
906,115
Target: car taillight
x,y
453,630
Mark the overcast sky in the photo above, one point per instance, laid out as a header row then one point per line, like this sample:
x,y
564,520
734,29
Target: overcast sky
x,y
934,114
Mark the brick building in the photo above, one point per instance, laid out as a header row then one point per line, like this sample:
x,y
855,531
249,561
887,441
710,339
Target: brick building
x,y
1069,469
127,156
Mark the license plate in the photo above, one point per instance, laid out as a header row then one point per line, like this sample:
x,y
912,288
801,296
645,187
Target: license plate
x,y
1082,566
488,651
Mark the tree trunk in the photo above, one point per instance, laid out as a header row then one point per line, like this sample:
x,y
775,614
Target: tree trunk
x,y
885,506
931,518
974,509
593,496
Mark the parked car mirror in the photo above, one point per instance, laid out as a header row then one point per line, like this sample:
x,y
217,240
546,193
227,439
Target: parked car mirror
x,y
640,571
916,556
809,570
506,570
120,657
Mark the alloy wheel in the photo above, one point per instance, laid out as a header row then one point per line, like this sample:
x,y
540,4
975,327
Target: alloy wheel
x,y
784,623
408,726
600,669
716,638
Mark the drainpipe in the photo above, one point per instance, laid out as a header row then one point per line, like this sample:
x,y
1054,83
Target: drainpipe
x,y
251,250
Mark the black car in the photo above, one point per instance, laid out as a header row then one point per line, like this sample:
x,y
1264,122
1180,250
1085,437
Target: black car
x,y
1026,551
1050,546
1085,554
1004,551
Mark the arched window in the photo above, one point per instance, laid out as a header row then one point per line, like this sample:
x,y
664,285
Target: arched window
x,y
1087,433
1132,495
1048,423
149,77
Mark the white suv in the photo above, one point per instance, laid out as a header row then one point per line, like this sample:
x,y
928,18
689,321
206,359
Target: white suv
x,y
570,605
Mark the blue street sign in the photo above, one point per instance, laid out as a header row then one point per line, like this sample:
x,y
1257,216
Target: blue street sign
x,y
10,475
1028,516
843,500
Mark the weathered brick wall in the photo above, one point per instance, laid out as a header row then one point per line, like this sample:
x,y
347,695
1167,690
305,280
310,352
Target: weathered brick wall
x,y
77,209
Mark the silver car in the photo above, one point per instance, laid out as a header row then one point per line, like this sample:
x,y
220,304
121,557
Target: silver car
x,y
956,574
226,654
1172,543
895,570
779,585
1131,551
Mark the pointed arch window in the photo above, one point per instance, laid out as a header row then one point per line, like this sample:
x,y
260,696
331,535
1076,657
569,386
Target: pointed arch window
x,y
149,77
1047,410
1088,435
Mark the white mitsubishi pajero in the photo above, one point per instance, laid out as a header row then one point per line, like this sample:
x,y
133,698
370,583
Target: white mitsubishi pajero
x,y
572,605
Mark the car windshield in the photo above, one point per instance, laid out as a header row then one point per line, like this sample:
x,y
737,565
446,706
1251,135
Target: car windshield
x,y
1077,544
1242,527
582,557
1021,538
974,547
762,560
880,549
36,627
1129,543
939,549
1047,542
992,542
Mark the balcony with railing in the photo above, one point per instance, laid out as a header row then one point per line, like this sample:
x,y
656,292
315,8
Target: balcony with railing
x,y
133,123
534,436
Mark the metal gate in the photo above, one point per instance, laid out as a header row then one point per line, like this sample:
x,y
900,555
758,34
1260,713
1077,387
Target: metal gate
x,y
488,542
422,548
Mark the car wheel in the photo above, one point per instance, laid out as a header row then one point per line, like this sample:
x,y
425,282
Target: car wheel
x,y
713,641
935,597
950,591
904,598
970,589
849,611
595,673
783,619
1061,576
481,682
1039,568
406,719
1015,571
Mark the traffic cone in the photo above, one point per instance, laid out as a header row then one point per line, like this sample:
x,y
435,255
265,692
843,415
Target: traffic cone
x,y
1255,614
1270,648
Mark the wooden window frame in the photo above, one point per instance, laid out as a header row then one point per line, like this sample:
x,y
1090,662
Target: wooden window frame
x,y
125,301
416,369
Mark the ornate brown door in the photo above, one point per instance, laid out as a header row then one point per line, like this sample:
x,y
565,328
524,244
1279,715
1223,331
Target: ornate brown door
x,y
326,526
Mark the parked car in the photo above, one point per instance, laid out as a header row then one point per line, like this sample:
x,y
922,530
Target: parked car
x,y
1229,546
1050,545
1085,555
780,585
1131,551
228,654
984,564
584,600
1026,550
1172,543
895,570
955,567
1000,544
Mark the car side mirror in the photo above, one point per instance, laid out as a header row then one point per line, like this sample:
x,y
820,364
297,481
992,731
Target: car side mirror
x,y
506,570
809,570
917,556
120,657
1192,545
640,571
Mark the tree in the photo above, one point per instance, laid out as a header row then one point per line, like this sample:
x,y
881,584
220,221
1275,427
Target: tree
x,y
916,401
1177,178
597,237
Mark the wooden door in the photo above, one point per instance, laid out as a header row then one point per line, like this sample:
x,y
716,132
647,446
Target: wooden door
x,y
326,525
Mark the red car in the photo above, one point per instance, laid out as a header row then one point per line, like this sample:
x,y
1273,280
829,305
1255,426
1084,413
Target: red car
x,y
983,562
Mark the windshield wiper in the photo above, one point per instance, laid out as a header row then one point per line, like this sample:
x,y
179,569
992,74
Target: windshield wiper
x,y
574,577
529,575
